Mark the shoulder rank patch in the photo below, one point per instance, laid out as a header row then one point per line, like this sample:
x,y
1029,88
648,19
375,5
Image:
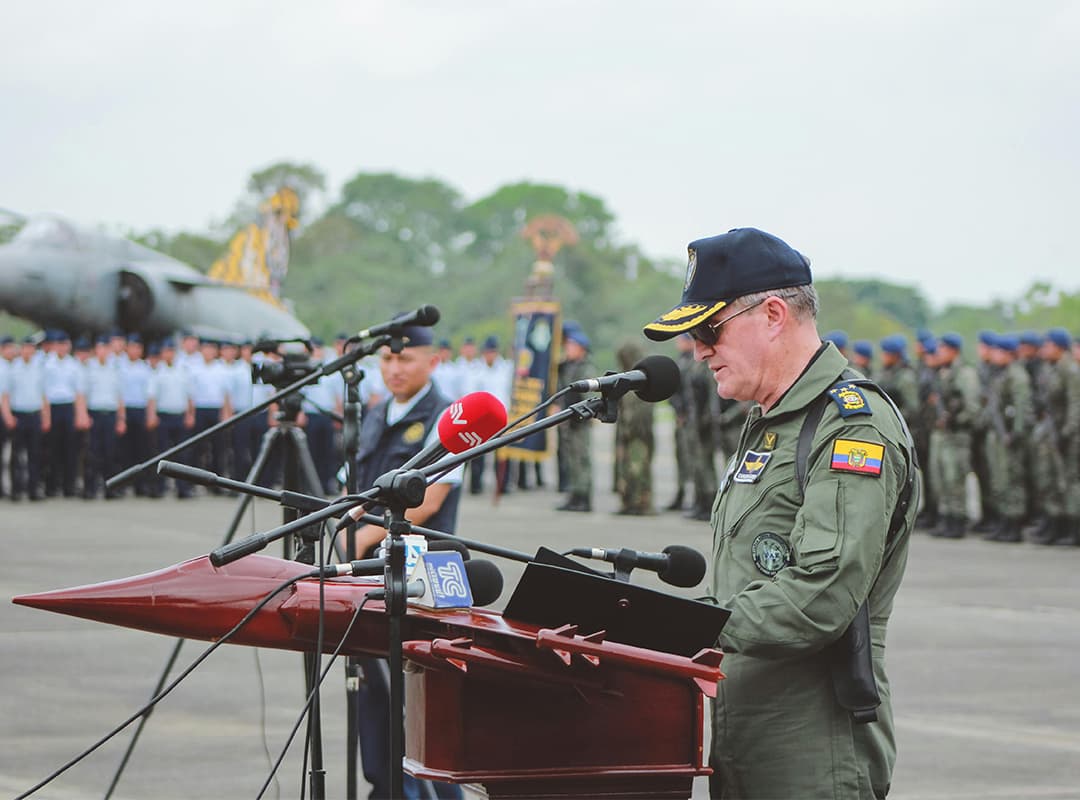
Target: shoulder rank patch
x,y
849,399
753,464
413,434
852,455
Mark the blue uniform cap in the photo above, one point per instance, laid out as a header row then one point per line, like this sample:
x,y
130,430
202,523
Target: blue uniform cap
x,y
134,338
863,348
839,338
491,343
1060,337
1007,341
29,340
468,340
922,334
102,338
953,340
316,341
444,343
153,349
895,344
929,345
417,335
578,335
7,339
82,343
1032,338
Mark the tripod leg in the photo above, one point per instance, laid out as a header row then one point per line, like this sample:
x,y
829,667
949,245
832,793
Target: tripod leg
x,y
265,451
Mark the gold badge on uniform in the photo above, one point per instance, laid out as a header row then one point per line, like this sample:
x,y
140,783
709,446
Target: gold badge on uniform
x,y
414,433
769,441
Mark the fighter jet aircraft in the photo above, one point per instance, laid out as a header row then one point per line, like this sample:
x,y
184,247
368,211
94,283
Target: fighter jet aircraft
x,y
59,276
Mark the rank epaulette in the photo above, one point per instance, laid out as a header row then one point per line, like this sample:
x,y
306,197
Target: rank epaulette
x,y
849,399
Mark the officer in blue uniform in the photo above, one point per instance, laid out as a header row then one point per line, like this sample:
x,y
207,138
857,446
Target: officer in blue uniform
x,y
320,402
25,409
392,432
63,379
170,410
105,402
209,392
241,398
7,354
135,375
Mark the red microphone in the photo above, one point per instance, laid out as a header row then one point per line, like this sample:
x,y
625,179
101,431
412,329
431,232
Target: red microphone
x,y
464,424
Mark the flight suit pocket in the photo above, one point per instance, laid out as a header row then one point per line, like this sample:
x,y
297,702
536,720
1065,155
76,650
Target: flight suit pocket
x,y
822,514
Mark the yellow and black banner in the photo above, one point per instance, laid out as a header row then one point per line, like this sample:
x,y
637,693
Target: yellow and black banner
x,y
537,345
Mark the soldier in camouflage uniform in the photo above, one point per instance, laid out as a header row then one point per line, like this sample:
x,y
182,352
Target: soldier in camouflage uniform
x,y
633,443
956,401
1056,442
862,357
701,389
1027,354
685,446
1009,417
985,369
731,415
923,419
575,442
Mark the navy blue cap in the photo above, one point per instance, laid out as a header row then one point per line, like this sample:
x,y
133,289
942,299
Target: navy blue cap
x,y
895,344
722,268
316,341
987,337
134,338
1060,337
579,336
29,340
7,339
82,343
115,333
839,338
341,335
444,343
491,343
102,338
1007,341
1032,338
153,349
468,340
953,340
863,348
417,335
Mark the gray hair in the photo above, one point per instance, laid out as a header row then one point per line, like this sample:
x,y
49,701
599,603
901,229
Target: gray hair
x,y
802,300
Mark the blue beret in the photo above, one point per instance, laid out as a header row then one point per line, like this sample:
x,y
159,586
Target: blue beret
x,y
1060,337
929,344
491,343
895,344
1031,338
863,348
988,338
417,335
570,325
578,335
1007,341
922,334
839,338
953,340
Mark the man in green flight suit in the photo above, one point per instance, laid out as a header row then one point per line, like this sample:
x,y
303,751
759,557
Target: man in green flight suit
x,y
807,540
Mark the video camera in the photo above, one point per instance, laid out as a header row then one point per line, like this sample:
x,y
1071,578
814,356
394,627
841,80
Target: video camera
x,y
295,363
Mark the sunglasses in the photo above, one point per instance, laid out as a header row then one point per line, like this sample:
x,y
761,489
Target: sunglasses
x,y
708,333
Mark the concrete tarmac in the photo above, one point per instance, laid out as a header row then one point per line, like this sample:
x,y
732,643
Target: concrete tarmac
x,y
983,653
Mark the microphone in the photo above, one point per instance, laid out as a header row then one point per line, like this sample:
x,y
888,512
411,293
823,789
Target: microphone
x,y
375,566
470,421
485,582
677,565
424,317
653,379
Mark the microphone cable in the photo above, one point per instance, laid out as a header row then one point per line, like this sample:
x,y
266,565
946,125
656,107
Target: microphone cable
x,y
307,705
168,689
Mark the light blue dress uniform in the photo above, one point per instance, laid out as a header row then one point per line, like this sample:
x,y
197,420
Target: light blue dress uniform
x,y
63,383
319,399
103,399
495,379
135,444
448,379
243,432
26,399
170,389
5,434
209,391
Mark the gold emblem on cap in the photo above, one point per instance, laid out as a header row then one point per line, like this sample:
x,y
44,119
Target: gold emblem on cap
x,y
414,433
691,267
682,311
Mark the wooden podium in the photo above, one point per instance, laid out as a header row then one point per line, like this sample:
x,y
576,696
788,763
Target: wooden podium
x,y
514,702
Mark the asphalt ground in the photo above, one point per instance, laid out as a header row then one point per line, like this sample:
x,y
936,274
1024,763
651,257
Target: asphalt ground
x,y
983,653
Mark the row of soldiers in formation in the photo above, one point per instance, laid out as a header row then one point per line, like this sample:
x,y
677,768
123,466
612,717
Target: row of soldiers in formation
x,y
74,413
1012,418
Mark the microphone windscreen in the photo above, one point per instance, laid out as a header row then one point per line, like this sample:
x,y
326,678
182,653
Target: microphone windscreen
x,y
470,421
427,315
444,545
686,566
485,581
662,374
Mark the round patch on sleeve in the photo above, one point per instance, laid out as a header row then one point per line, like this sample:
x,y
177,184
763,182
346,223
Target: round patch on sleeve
x,y
771,553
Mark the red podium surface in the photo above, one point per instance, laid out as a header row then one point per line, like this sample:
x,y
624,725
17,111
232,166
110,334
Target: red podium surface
x,y
521,709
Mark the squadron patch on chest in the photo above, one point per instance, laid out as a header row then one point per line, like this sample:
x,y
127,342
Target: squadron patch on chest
x,y
770,553
849,399
852,455
751,467
413,434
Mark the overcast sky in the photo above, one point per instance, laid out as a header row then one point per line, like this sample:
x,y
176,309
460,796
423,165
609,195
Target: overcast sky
x,y
928,143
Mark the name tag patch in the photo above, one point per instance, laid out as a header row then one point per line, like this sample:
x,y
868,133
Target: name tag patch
x,y
853,455
751,467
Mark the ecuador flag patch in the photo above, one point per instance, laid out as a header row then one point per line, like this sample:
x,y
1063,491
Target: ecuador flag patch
x,y
851,455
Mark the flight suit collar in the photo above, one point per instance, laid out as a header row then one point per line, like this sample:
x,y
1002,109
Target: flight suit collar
x,y
820,373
